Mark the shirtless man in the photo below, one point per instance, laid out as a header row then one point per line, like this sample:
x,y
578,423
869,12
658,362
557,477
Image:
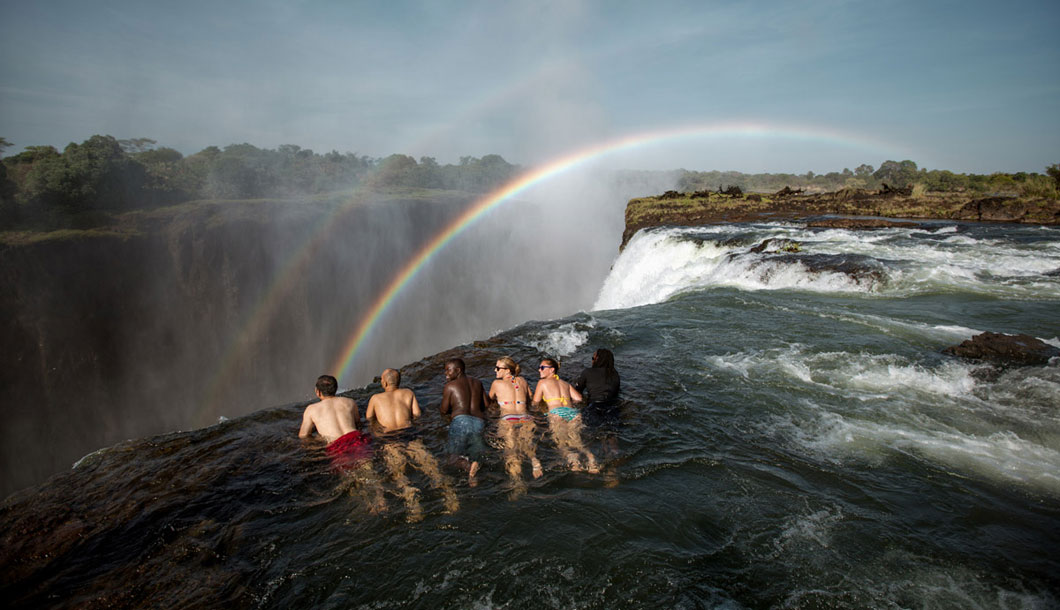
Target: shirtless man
x,y
334,416
394,410
336,421
464,399
564,420
395,407
516,426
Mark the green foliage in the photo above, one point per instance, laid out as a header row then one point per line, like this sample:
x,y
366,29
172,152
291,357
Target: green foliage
x,y
93,175
158,156
897,174
41,186
395,170
137,145
1054,172
8,208
893,173
1037,185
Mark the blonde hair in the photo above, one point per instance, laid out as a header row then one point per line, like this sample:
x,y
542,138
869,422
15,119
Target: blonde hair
x,y
510,364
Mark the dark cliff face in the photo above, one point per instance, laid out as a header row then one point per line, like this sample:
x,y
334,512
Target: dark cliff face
x,y
107,338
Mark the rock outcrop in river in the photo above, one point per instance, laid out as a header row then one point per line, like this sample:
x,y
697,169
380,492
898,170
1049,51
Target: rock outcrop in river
x,y
703,207
999,348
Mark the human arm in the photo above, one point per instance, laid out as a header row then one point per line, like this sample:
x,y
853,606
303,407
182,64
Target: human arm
x,y
307,424
575,395
415,407
539,392
445,407
478,404
369,413
579,382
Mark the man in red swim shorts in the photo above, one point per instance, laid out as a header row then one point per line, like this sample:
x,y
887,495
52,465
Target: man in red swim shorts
x,y
337,421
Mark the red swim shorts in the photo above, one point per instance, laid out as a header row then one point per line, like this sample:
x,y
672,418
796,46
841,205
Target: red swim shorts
x,y
349,450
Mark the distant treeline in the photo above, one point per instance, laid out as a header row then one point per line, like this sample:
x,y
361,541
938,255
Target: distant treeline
x,y
43,187
895,174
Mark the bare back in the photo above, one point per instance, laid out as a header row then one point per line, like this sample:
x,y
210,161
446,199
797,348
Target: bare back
x,y
555,392
463,396
512,395
393,409
333,416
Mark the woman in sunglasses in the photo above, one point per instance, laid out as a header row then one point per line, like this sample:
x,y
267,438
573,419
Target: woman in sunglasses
x,y
516,426
564,421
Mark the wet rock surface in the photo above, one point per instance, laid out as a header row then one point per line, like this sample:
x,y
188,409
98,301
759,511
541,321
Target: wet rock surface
x,y
999,348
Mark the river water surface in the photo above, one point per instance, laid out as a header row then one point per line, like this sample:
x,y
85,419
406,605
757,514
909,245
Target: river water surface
x,y
789,436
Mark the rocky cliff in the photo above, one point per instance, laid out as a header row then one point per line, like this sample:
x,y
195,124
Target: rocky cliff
x,y
673,208
166,320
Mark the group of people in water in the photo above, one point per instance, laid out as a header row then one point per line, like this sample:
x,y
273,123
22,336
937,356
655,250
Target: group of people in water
x,y
392,414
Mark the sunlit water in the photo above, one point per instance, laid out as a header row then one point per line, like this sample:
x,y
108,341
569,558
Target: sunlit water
x,y
790,437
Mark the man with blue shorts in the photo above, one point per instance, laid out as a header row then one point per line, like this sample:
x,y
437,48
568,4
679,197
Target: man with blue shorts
x,y
464,399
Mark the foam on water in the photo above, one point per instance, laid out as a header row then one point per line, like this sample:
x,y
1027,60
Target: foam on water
x,y
564,340
660,263
867,406
656,265
1003,457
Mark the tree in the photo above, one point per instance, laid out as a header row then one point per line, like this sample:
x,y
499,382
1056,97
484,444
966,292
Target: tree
x,y
863,171
137,145
93,175
240,171
8,208
395,170
158,155
897,174
1054,173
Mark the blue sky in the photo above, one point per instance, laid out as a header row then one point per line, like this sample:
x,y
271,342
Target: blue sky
x,y
966,86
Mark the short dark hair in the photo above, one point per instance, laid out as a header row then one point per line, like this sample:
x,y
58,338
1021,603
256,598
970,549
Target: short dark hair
x,y
327,385
550,362
458,362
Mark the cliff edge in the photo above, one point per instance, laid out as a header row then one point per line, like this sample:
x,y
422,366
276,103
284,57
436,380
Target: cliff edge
x,y
854,208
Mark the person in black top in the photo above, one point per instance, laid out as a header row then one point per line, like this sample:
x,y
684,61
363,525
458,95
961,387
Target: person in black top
x,y
599,384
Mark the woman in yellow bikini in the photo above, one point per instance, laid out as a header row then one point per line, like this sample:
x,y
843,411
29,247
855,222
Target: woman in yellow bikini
x,y
564,420
516,426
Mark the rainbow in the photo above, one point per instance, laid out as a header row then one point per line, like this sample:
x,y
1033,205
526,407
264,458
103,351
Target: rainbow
x,y
559,166
257,319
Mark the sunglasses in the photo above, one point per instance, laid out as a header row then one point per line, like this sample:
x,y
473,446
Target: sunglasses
x,y
501,368
544,366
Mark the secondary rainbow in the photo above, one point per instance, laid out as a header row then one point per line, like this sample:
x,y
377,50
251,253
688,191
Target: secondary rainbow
x,y
556,167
